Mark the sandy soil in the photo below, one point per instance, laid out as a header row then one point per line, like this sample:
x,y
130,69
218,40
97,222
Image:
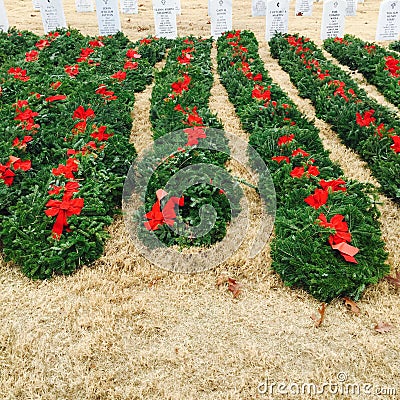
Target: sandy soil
x,y
123,329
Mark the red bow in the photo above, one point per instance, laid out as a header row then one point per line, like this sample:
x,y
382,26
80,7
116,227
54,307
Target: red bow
x,y
63,209
339,239
6,174
66,170
156,217
194,134
181,85
5,170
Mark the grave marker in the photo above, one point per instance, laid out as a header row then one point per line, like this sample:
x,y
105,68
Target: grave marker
x,y
3,18
303,8
277,14
129,7
258,8
165,18
351,9
333,18
221,17
108,17
84,6
52,15
388,20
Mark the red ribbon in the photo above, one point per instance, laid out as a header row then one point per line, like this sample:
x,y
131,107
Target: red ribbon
x,y
63,209
6,174
339,241
5,170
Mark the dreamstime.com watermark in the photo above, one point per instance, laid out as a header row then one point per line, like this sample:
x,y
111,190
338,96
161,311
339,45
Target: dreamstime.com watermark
x,y
150,173
340,386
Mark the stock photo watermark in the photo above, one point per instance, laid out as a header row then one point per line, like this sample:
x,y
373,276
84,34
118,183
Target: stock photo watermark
x,y
342,385
176,196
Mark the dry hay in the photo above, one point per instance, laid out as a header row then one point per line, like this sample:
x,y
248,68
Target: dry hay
x,y
123,329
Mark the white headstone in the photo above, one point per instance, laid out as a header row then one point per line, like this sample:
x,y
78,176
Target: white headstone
x,y
3,18
129,7
388,21
84,5
258,8
209,7
52,15
36,4
333,17
277,14
178,7
108,17
304,8
351,9
221,17
165,18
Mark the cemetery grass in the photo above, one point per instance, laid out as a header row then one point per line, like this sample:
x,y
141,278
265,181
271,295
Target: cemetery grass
x,y
123,329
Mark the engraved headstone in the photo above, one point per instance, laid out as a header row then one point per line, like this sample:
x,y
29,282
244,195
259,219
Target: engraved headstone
x,y
84,5
108,17
388,21
277,15
129,7
351,9
165,18
52,15
258,8
333,18
303,8
221,17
